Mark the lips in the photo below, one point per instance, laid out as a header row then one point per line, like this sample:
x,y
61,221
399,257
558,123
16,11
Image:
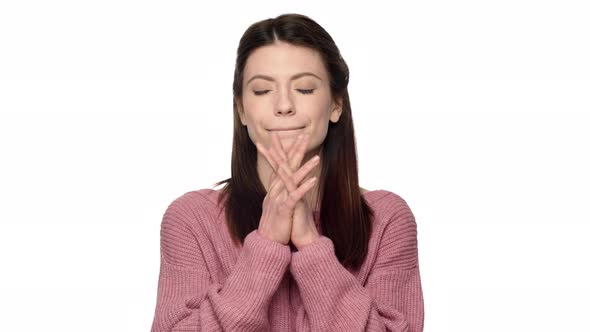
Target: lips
x,y
287,132
285,129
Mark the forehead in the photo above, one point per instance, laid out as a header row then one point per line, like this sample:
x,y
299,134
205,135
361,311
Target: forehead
x,y
282,60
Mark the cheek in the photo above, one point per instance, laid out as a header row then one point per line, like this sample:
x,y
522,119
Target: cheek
x,y
249,105
253,111
321,114
320,131
257,134
253,102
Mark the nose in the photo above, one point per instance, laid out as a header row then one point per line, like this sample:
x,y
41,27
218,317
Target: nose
x,y
284,105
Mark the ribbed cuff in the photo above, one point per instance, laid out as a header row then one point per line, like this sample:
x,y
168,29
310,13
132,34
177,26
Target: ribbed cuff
x,y
258,272
327,288
263,262
267,254
312,253
246,293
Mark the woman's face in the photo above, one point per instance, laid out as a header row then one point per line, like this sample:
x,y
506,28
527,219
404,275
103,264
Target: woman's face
x,y
286,89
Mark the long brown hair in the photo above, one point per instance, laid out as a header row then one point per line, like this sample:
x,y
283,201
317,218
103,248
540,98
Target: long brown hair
x,y
345,215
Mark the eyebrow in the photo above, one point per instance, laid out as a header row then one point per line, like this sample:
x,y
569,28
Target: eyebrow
x,y
294,77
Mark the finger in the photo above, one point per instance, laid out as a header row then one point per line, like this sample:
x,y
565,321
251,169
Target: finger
x,y
281,167
298,194
294,146
304,170
287,177
276,143
284,170
285,173
295,154
280,161
276,184
267,155
276,158
298,151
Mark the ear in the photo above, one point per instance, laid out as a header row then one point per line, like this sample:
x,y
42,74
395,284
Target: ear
x,y
240,109
336,111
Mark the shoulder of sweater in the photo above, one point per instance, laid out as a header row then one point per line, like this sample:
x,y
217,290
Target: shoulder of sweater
x,y
196,198
204,196
396,235
391,209
194,206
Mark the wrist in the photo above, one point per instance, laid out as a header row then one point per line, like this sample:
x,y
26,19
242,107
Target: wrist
x,y
309,240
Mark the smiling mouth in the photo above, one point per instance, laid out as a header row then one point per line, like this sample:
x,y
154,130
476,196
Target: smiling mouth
x,y
286,129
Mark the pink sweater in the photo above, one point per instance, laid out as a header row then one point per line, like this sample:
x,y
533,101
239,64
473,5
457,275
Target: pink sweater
x,y
208,284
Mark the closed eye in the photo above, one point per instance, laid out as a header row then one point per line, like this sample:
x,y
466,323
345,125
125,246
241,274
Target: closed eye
x,y
306,91
303,91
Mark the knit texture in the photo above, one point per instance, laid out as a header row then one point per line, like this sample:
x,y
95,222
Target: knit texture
x,y
207,283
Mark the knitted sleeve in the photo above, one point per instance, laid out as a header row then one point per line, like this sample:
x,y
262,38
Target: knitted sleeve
x,y
391,298
188,300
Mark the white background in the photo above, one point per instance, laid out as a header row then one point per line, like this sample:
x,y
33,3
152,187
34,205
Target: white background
x,y
474,112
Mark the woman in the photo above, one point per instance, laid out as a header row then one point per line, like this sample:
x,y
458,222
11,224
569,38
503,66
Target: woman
x,y
274,250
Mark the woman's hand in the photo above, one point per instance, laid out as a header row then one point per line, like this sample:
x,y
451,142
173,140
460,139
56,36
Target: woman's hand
x,y
278,207
303,231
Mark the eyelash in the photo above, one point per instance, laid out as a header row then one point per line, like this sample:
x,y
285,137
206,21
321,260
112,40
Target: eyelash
x,y
303,91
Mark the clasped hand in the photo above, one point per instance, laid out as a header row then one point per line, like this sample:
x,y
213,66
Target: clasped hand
x,y
284,208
